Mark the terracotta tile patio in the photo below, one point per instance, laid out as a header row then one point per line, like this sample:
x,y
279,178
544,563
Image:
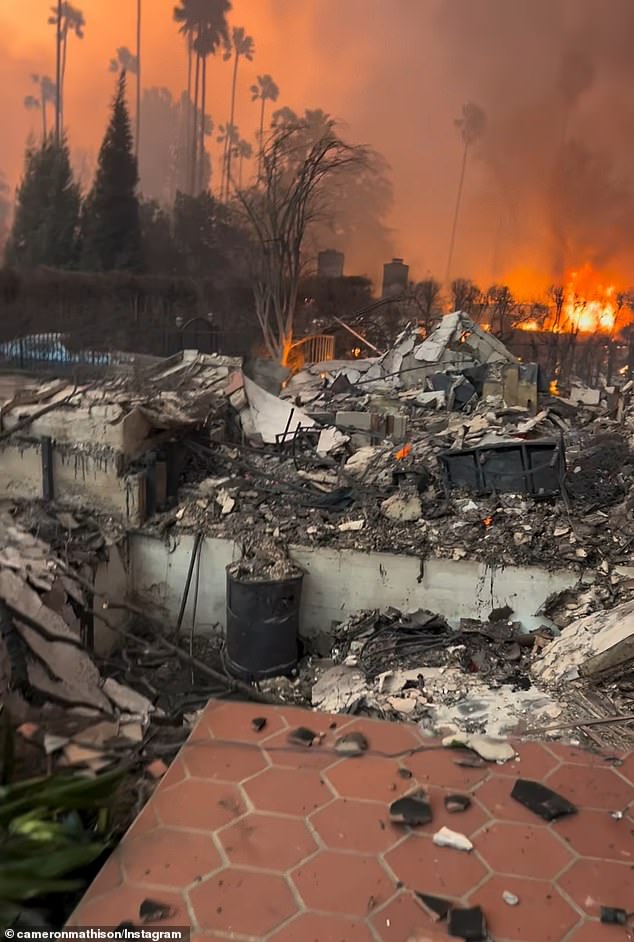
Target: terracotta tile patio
x,y
248,838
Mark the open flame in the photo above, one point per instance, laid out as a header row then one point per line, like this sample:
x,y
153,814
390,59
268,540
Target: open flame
x,y
588,303
589,307
403,452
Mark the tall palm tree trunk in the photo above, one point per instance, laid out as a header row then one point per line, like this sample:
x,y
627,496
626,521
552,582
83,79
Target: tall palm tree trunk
x,y
228,141
58,72
454,227
194,150
61,97
261,138
203,104
43,101
188,125
138,80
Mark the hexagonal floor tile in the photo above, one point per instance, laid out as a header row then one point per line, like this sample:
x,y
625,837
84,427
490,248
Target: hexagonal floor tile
x,y
597,834
595,883
438,767
350,884
288,791
394,740
122,905
404,919
368,777
267,841
467,822
495,796
233,721
313,927
627,768
199,804
440,871
228,762
364,826
523,850
534,762
169,857
593,932
242,902
598,788
541,916
282,753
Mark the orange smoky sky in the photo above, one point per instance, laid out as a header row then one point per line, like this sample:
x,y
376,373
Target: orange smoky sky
x,y
548,185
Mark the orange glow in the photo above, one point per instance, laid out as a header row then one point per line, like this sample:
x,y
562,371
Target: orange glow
x,y
486,327
553,389
589,306
529,325
487,522
403,452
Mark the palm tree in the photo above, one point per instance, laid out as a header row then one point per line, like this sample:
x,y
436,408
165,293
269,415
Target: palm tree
x,y
47,96
123,61
56,19
229,137
204,25
472,125
243,151
241,47
66,18
264,90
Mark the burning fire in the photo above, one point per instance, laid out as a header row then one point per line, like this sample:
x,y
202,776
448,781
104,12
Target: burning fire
x,y
403,452
487,522
587,307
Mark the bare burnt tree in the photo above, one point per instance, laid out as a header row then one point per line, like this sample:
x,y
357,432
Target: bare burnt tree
x,y
465,295
502,306
426,297
292,196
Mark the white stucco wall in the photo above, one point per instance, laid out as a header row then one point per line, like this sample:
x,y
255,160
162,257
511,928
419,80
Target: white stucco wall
x,y
339,582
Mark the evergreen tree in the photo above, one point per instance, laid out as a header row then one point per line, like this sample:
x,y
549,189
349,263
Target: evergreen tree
x,y
45,224
111,230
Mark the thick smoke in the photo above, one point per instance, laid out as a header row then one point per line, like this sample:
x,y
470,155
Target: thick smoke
x,y
552,77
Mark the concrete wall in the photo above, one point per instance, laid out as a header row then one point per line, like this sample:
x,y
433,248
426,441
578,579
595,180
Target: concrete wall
x,y
339,582
76,474
111,582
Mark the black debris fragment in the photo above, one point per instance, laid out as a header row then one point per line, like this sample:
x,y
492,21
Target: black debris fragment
x,y
413,810
457,803
126,925
611,916
258,723
541,800
405,773
352,744
435,907
151,910
469,760
468,924
302,736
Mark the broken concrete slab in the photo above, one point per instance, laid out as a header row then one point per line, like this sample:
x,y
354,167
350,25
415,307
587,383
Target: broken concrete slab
x,y
607,636
488,748
274,418
468,924
402,508
126,699
338,689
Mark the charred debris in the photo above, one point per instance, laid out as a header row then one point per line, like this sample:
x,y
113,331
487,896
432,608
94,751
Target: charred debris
x,y
446,446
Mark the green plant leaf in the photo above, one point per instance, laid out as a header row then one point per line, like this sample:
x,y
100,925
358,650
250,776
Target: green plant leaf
x,y
51,864
18,889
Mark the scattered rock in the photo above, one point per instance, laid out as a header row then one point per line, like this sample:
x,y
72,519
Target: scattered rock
x,y
302,736
468,924
352,744
401,508
457,803
435,907
611,916
151,910
448,838
413,810
510,898
258,723
541,800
